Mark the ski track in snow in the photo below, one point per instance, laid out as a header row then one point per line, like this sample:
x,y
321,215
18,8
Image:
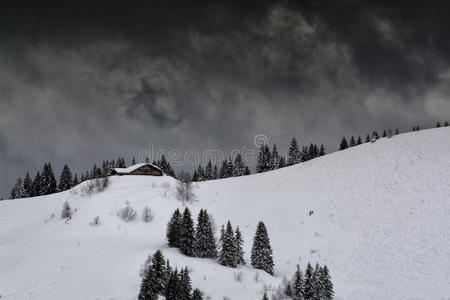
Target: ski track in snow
x,y
381,223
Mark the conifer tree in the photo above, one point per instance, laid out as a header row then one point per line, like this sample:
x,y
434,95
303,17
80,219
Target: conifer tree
x,y
148,290
185,287
195,176
325,285
298,292
173,286
265,297
352,141
165,166
263,159
239,247
159,271
208,171
223,169
75,180
174,229
47,180
309,288
18,191
282,162
274,162
294,155
228,249
367,138
446,123
65,181
384,133
322,150
438,125
261,257
238,166
359,141
215,173
187,238
396,131
344,144
37,184
28,185
247,171
197,294
205,243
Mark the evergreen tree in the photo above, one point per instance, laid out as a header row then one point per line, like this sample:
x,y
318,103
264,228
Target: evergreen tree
x,y
446,123
215,173
228,248
322,150
325,284
282,162
165,166
309,288
75,180
367,138
374,136
208,171
274,161
265,297
133,161
195,176
65,181
185,287
344,144
205,243
384,133
389,134
352,141
18,191
359,141
247,171
239,166
174,229
187,238
316,285
438,125
47,180
159,271
261,257
197,295
28,185
396,131
148,290
223,169
37,184
263,159
294,155
239,247
298,292
173,286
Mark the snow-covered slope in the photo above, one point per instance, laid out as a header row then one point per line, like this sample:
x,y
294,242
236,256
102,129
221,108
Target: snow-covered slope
x,y
381,223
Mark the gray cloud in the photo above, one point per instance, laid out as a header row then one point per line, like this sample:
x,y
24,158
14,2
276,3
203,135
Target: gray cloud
x,y
210,76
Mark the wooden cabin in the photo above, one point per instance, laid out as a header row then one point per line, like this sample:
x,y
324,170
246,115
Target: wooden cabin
x,y
138,169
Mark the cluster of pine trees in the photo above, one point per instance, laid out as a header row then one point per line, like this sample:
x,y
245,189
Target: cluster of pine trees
x,y
199,241
43,183
268,160
227,169
314,284
438,124
159,278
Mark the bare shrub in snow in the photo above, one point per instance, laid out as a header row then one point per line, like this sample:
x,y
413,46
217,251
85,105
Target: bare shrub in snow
x,y
239,276
165,185
128,213
147,215
185,191
95,185
144,268
66,211
95,222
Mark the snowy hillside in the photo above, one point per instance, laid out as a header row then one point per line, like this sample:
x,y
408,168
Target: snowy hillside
x,y
381,223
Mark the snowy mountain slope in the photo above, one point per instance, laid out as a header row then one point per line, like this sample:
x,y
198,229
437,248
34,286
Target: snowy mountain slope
x,y
381,223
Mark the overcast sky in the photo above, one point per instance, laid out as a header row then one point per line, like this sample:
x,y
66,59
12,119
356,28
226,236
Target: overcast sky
x,y
84,82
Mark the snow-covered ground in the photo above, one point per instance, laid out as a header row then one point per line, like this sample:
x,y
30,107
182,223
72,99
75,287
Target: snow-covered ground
x,y
381,223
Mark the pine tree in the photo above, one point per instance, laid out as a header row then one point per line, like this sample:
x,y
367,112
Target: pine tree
x,y
359,141
282,162
326,286
246,171
261,257
438,125
159,271
205,243
389,134
239,166
174,229
384,133
367,138
75,180
28,185
47,181
215,173
173,286
66,212
274,161
200,174
374,136
197,295
322,150
208,171
65,181
148,290
185,285
396,131
294,155
263,159
316,285
265,297
37,184
298,292
352,141
166,167
228,249
187,238
18,191
309,287
446,123
344,144
195,176
239,247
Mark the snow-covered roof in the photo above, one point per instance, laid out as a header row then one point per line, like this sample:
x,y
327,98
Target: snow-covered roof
x,y
134,167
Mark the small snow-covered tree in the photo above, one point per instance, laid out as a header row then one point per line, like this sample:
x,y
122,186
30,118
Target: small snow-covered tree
x,y
65,181
197,295
148,286
160,272
205,244
343,145
294,154
239,166
28,185
185,285
325,284
187,237
239,247
298,292
173,233
228,248
261,256
309,283
265,297
66,211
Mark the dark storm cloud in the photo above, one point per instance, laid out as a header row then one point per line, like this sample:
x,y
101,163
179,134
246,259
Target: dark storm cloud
x,y
82,82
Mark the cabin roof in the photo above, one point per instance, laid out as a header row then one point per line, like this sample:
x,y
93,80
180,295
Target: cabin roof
x,y
134,167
